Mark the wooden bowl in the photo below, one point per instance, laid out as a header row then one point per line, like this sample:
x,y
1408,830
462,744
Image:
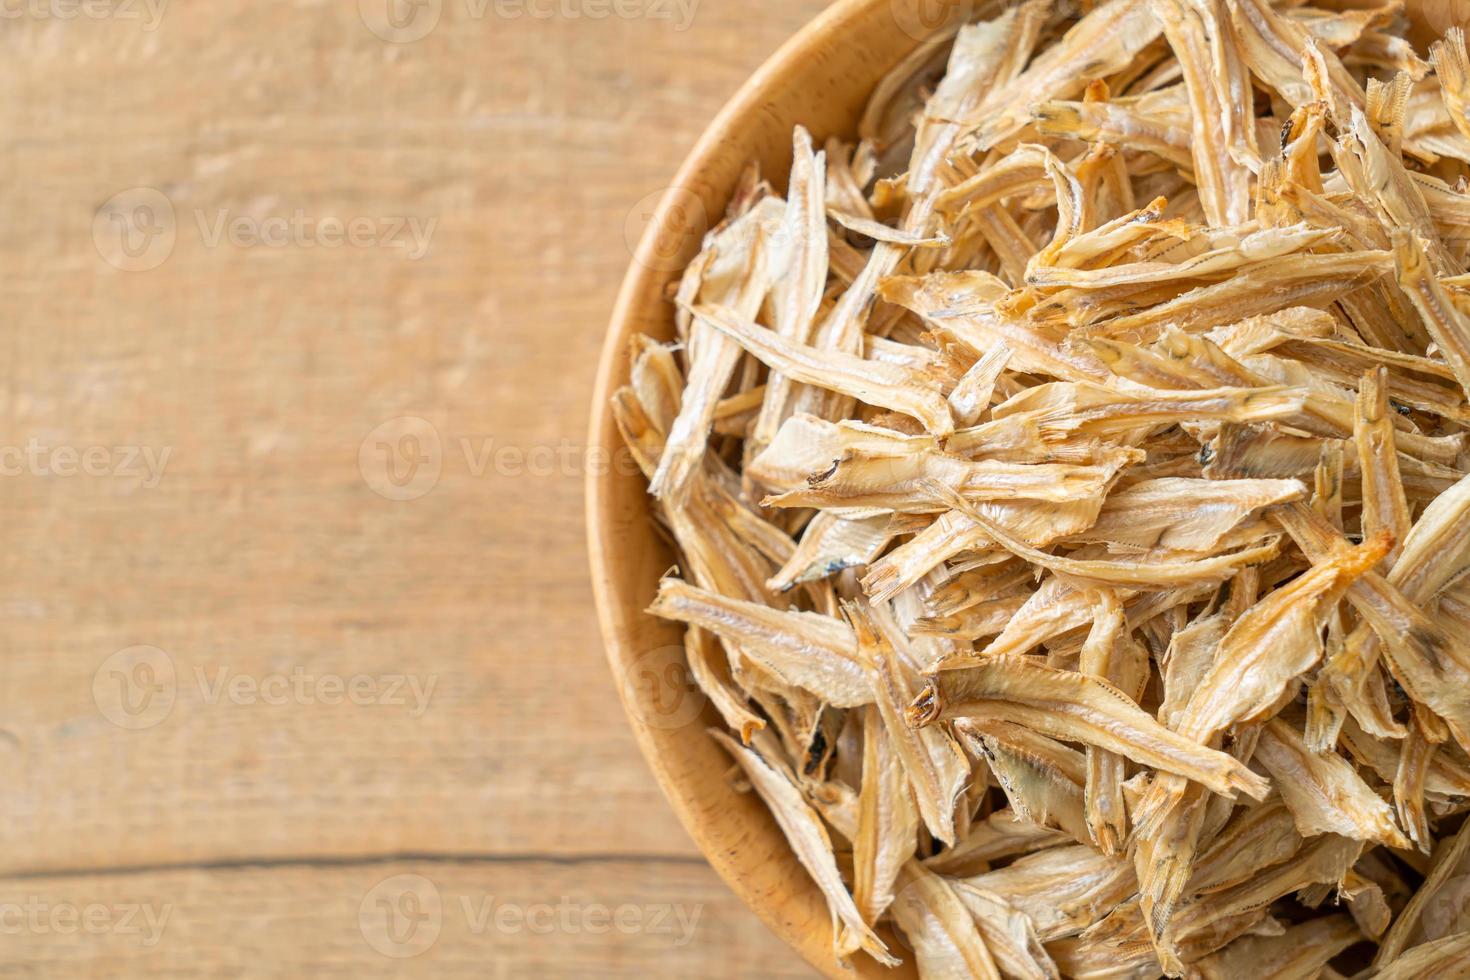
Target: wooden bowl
x,y
820,79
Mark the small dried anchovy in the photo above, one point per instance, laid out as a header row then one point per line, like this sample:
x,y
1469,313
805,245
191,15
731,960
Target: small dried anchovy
x,y
1070,488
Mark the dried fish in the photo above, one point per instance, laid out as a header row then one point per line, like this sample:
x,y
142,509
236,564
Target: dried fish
x,y
934,763
797,296
1258,837
971,396
1010,936
1446,777
809,840
1325,860
1225,250
887,822
916,483
1449,327
1042,778
1114,123
1073,706
1448,864
880,232
808,650
1073,410
1063,889
1323,791
890,386
831,543
1181,514
1071,488
806,445
1258,660
1442,959
982,619
941,928
1111,656
1147,573
1223,138
1299,953
740,271
1257,288
1102,42
1003,834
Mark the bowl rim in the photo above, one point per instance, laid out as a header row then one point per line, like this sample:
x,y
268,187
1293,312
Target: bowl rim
x,y
645,273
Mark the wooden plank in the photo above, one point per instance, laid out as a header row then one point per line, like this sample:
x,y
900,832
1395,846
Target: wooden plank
x,y
255,546
261,365
483,919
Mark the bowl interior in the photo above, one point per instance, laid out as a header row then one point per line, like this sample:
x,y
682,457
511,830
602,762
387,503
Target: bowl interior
x,y
820,79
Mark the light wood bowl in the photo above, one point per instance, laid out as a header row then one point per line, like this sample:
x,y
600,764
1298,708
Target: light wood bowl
x,y
821,79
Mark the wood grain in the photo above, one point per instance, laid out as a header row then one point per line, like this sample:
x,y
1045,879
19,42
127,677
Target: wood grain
x,y
491,919
263,548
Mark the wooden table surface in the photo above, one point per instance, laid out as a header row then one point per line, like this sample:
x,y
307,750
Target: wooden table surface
x,y
301,671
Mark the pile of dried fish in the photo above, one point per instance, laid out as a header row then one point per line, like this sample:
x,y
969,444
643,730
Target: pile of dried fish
x,y
1070,484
